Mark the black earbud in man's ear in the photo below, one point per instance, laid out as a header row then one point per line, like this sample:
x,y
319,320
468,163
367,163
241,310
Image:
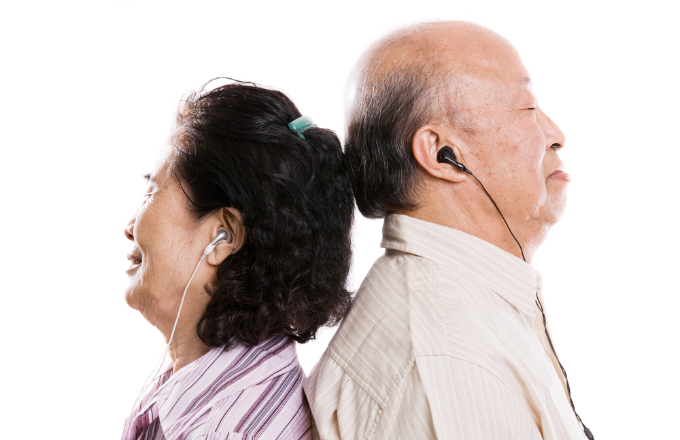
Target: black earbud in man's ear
x,y
446,155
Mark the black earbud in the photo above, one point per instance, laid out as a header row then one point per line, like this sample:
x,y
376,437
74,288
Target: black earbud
x,y
446,155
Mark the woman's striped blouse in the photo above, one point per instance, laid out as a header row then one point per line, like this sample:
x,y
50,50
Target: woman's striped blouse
x,y
244,393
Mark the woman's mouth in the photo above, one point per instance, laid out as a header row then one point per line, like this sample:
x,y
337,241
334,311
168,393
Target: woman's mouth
x,y
135,260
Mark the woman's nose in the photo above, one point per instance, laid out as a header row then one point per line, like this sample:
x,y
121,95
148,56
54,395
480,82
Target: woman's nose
x,y
130,229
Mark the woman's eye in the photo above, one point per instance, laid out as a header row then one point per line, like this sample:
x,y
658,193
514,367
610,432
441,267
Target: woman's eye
x,y
150,187
149,192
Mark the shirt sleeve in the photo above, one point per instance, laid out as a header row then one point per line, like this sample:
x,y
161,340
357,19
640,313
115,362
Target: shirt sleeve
x,y
450,399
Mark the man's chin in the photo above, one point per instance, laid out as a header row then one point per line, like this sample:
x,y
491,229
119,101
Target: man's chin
x,y
555,211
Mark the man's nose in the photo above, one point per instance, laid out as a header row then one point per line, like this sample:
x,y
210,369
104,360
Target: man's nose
x,y
130,229
553,135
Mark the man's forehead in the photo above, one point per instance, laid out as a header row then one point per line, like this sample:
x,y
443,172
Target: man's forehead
x,y
524,91
489,91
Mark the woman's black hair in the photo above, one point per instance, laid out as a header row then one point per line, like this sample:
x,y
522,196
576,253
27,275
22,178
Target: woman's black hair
x,y
234,149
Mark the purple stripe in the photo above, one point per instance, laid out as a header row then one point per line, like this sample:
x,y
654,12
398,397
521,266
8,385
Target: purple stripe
x,y
258,402
291,420
246,366
227,411
306,431
286,392
222,383
199,424
240,356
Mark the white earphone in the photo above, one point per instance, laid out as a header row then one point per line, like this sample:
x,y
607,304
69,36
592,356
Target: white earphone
x,y
222,235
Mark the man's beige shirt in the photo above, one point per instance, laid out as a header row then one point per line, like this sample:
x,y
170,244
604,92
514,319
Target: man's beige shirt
x,y
444,340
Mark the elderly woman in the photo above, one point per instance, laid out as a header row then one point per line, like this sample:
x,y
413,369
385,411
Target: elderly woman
x,y
241,247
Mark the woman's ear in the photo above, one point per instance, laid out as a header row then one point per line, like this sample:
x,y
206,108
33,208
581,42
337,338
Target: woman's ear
x,y
231,220
427,142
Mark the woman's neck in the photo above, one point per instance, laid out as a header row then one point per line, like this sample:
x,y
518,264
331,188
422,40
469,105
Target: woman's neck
x,y
185,349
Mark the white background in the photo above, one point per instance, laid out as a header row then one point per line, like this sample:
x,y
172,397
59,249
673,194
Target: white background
x,y
88,93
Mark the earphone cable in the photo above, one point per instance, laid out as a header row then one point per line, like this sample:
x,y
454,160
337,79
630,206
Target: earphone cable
x,y
564,372
172,335
499,211
159,364
540,307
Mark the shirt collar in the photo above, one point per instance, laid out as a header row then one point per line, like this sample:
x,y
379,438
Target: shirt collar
x,y
508,276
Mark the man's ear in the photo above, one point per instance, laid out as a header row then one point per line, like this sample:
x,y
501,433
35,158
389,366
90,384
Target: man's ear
x,y
427,142
230,219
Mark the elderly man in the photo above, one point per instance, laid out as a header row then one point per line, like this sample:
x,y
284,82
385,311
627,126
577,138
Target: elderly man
x,y
446,338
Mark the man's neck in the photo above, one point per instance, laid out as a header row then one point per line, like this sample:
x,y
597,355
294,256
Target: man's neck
x,y
478,220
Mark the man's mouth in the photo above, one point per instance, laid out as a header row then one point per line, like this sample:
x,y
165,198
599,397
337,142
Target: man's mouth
x,y
560,174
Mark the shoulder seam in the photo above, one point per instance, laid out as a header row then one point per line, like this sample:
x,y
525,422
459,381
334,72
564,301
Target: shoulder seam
x,y
374,398
360,383
374,425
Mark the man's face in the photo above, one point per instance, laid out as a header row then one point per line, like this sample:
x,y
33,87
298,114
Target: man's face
x,y
514,148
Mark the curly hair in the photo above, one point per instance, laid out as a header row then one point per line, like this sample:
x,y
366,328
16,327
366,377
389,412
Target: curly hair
x,y
234,149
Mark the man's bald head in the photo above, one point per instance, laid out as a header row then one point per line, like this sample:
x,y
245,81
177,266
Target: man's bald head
x,y
433,53
441,57
411,77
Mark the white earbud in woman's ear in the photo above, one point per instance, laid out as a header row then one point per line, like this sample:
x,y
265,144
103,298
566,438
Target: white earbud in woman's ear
x,y
222,235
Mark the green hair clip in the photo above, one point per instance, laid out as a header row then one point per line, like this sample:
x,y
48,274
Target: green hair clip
x,y
301,124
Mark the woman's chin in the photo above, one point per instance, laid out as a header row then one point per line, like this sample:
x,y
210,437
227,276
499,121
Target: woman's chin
x,y
131,299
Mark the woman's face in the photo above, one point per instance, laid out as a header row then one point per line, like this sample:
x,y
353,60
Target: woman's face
x,y
168,244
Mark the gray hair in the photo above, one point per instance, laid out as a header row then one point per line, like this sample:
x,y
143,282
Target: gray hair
x,y
390,103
